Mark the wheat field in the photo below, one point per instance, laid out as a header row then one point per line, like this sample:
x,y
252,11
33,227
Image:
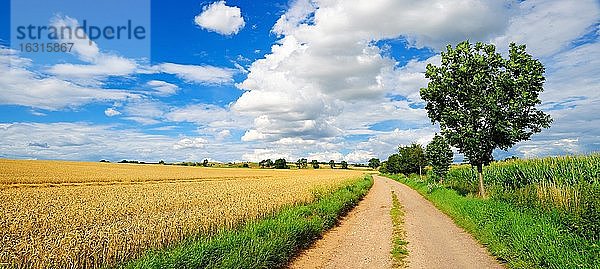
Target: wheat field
x,y
89,215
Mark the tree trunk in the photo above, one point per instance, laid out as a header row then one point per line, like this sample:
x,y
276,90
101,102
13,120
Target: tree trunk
x,y
480,175
420,176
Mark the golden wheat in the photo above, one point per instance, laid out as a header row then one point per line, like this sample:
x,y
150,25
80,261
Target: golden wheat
x,y
105,214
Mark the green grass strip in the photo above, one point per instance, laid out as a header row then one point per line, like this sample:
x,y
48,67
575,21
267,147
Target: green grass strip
x,y
267,243
399,251
521,237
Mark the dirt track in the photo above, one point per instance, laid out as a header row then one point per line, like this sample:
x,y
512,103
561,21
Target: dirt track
x,y
363,239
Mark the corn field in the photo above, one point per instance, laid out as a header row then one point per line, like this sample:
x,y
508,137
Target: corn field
x,y
569,186
89,215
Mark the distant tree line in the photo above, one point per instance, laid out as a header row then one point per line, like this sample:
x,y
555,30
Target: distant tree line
x,y
301,164
204,163
412,159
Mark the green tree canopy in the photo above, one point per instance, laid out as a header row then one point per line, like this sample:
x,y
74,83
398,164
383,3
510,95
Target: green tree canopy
x,y
383,168
265,163
374,163
344,165
393,165
483,101
302,163
412,158
315,164
439,155
280,164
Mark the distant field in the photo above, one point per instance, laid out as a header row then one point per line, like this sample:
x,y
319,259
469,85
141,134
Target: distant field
x,y
71,214
61,172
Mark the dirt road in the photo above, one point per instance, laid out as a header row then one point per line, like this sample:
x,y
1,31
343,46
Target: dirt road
x,y
363,239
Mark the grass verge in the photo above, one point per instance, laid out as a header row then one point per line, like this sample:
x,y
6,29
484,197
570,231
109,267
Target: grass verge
x,y
521,237
399,251
267,243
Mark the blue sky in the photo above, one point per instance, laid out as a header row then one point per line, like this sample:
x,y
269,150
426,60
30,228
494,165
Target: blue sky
x,y
250,80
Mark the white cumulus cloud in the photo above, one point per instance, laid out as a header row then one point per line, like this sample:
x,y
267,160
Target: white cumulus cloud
x,y
220,18
326,63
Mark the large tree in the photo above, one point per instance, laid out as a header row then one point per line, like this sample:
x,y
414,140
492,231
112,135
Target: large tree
x,y
315,164
383,168
344,165
483,101
302,163
374,163
280,164
412,158
439,155
393,164
266,163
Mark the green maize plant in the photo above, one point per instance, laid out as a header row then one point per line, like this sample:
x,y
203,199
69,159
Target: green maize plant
x,y
568,186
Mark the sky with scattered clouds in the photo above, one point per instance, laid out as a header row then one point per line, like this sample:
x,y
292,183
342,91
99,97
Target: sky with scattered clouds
x,y
250,80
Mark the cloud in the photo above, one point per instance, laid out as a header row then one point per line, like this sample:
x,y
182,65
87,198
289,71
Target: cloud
x,y
86,49
68,85
326,63
144,111
548,26
37,113
220,18
323,91
262,154
99,65
359,156
297,14
573,73
104,66
384,144
79,141
325,156
93,142
204,114
162,88
223,134
199,74
326,78
191,143
22,86
406,81
39,145
539,149
211,120
111,112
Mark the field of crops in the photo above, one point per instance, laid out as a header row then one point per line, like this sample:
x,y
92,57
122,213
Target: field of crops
x,y
568,186
69,214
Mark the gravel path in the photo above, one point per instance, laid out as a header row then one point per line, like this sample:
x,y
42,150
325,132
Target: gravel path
x,y
363,238
434,240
